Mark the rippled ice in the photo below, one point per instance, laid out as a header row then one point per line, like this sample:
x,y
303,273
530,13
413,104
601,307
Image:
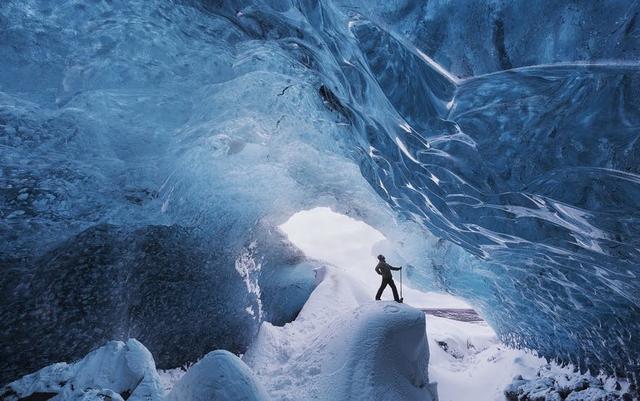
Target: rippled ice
x,y
518,189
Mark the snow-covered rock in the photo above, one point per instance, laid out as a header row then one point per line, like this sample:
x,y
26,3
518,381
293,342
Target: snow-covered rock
x,y
591,394
117,371
345,346
219,376
554,383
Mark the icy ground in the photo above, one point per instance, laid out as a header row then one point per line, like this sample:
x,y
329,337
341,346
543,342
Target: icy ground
x,y
342,346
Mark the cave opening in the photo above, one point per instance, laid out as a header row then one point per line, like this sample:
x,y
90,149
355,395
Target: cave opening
x,y
352,245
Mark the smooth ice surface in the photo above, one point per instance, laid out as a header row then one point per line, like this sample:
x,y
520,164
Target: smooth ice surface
x,y
182,133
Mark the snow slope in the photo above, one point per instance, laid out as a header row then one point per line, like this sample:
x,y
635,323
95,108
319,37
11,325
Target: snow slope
x,y
345,346
121,371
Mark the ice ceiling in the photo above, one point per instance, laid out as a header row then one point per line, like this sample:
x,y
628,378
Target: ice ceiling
x,y
150,148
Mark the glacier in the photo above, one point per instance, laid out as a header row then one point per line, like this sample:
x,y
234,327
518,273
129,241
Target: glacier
x,y
151,148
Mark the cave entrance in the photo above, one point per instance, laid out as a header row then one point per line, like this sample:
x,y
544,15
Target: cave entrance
x,y
337,239
352,245
466,357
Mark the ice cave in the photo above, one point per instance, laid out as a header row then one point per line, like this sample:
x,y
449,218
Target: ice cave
x,y
193,194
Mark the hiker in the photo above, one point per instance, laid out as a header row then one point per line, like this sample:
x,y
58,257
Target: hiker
x,y
384,269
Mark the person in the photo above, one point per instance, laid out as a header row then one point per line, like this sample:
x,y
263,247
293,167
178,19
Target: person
x,y
384,269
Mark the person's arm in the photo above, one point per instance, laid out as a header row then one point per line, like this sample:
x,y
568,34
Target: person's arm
x,y
378,269
394,268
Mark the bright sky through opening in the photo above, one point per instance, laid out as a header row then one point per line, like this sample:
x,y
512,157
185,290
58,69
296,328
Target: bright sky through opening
x,y
348,243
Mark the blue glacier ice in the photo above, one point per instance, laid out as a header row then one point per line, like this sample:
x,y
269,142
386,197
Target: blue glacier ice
x,y
151,148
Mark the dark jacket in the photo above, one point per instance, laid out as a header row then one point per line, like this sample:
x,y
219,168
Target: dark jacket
x,y
384,269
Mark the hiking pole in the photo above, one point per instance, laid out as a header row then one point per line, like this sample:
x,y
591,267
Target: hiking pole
x,y
401,297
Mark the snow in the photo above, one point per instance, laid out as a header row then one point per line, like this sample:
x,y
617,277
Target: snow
x,y
116,370
219,376
169,377
553,382
334,238
345,346
475,363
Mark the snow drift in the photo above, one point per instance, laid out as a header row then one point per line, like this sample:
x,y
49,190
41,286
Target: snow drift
x,y
345,346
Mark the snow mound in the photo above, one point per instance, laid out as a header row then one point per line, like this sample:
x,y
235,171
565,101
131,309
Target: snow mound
x,y
219,376
116,371
345,346
461,339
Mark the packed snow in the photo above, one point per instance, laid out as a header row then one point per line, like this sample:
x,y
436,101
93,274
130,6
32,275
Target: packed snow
x,y
342,346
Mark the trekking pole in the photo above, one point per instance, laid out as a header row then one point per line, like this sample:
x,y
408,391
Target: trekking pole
x,y
401,297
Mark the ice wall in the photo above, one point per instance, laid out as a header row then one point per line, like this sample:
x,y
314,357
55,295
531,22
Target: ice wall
x,y
471,38
150,148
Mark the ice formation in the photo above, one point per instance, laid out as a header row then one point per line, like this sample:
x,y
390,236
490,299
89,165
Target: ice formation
x,y
150,148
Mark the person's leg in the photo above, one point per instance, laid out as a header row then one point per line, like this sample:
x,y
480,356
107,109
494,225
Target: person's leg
x,y
382,286
395,290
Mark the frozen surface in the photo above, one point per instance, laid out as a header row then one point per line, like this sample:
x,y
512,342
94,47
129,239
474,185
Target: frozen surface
x,y
341,346
466,360
345,346
149,148
352,246
169,377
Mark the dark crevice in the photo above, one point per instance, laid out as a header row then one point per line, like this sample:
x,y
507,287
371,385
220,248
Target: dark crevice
x,y
498,41
333,103
44,396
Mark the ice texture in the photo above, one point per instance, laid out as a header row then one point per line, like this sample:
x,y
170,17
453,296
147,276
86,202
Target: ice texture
x,y
150,148
479,37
